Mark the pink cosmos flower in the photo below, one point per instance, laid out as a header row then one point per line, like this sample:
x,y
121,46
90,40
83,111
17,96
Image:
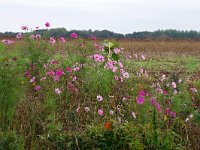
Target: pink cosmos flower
x,y
173,85
194,90
7,42
111,112
99,58
116,50
180,81
173,114
50,73
37,88
24,28
141,70
122,71
116,78
47,24
33,66
78,109
62,39
125,75
140,100
157,105
58,91
27,74
87,109
74,78
100,112
19,36
175,92
74,35
52,40
99,98
143,57
37,36
52,62
37,28
120,64
76,69
152,101
114,69
45,66
32,80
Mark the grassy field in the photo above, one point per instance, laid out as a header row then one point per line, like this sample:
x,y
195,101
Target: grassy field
x,y
100,94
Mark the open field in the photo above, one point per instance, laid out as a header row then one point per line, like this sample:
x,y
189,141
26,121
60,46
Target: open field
x,y
100,94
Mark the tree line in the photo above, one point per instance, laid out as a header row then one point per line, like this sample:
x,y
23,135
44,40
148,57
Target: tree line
x,y
160,34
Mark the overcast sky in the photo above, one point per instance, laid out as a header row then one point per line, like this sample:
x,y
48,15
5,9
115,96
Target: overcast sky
x,y
122,16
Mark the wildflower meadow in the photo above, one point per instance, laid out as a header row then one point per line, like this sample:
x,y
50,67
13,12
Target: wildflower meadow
x,y
90,93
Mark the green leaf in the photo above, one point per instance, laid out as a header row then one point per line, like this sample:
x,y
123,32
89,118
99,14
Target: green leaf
x,y
115,57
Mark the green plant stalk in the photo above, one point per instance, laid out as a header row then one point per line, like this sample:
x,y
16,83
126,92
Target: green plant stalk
x,y
155,126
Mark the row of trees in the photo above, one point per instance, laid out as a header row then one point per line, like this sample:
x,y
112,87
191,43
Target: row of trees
x,y
166,34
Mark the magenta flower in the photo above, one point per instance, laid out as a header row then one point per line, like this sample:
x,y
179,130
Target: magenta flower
x,y
93,37
141,93
152,101
100,112
37,88
140,100
59,72
37,28
69,69
62,39
99,98
24,28
50,73
74,35
157,105
167,111
27,74
47,24
173,114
